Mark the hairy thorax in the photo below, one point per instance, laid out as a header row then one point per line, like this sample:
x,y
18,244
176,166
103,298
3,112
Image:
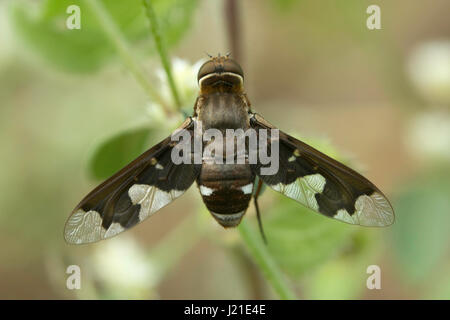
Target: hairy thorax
x,y
223,110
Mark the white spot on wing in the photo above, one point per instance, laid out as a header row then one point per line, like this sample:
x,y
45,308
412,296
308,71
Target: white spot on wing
x,y
84,227
303,189
159,167
344,216
151,198
247,189
114,229
138,192
372,211
205,191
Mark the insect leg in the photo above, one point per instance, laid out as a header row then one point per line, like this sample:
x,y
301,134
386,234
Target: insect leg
x,y
255,199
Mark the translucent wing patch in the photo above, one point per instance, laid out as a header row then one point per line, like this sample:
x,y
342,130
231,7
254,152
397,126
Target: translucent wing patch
x,y
373,210
133,194
86,227
303,190
151,199
323,184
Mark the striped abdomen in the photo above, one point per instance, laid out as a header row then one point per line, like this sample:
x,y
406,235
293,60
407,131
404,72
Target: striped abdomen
x,y
226,190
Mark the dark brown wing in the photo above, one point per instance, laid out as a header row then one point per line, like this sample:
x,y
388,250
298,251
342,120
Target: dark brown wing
x,y
133,194
323,184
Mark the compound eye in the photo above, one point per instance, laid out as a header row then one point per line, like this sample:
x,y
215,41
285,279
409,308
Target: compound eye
x,y
232,66
207,68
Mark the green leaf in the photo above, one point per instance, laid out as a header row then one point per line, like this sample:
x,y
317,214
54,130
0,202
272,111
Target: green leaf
x,y
345,277
336,280
420,234
440,290
117,151
175,18
285,5
301,239
43,27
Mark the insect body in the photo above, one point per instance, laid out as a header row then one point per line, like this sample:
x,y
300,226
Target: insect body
x,y
154,179
226,188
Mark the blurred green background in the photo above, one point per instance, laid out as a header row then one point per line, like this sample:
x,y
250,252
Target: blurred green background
x,y
71,112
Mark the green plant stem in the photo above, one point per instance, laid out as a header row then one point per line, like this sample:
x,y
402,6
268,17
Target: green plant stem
x,y
154,27
118,40
265,261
